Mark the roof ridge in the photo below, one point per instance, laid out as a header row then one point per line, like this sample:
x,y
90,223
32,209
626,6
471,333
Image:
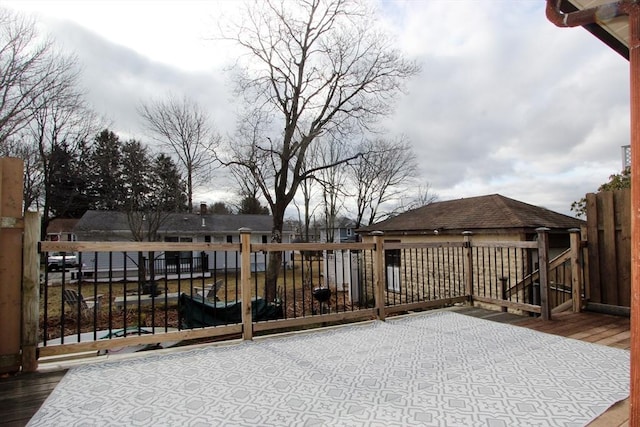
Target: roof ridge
x,y
493,211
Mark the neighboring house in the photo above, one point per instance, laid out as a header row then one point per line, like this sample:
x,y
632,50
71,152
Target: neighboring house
x,y
344,232
178,227
489,218
61,230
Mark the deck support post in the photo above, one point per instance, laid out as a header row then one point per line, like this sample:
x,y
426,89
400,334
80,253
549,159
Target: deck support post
x,y
634,71
30,291
379,273
576,269
245,282
11,224
543,267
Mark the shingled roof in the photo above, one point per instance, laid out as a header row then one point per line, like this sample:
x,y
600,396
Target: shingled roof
x,y
61,225
107,222
493,213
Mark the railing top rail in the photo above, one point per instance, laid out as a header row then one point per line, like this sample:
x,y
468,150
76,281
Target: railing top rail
x,y
134,246
276,247
560,259
512,244
51,246
423,245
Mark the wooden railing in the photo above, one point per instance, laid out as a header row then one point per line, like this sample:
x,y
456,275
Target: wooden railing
x,y
363,281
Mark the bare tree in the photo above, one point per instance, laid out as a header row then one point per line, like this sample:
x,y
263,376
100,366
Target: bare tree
x,y
308,189
313,67
41,109
306,212
333,182
423,196
379,175
183,128
29,68
249,192
61,119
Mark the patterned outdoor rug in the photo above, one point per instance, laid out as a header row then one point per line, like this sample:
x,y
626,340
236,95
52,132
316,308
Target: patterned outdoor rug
x,y
432,369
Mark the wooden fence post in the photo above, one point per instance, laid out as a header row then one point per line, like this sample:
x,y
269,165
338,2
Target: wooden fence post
x,y
543,266
379,273
11,224
468,265
30,291
245,282
576,270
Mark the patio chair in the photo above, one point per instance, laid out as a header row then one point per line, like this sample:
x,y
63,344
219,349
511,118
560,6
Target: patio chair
x,y
73,299
211,292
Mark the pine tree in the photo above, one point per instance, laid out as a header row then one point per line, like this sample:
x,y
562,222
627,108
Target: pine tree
x,y
105,164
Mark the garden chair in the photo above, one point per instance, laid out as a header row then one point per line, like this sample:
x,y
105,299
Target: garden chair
x,y
210,293
74,299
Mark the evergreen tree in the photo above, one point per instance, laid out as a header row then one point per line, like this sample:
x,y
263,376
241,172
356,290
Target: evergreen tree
x,y
168,186
251,205
221,208
105,164
137,185
68,190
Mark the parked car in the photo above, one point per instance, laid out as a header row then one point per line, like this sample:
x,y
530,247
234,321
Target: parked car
x,y
56,261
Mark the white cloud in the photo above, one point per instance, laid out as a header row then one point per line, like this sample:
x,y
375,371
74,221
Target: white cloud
x,y
505,103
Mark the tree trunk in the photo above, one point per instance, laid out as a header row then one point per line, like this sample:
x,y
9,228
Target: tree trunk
x,y
274,263
142,271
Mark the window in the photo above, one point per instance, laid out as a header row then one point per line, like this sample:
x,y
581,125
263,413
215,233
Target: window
x,y
264,238
229,239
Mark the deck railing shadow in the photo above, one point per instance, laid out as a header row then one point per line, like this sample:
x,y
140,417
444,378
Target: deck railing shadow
x,y
318,284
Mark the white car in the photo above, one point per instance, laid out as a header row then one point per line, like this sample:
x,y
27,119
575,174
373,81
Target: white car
x,y
55,261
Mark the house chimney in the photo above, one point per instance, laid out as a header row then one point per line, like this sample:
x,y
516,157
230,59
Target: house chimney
x,y
203,208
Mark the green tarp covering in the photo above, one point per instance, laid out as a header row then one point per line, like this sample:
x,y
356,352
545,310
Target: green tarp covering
x,y
196,313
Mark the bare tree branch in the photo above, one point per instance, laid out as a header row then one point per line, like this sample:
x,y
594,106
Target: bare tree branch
x,y
312,68
183,128
379,176
29,69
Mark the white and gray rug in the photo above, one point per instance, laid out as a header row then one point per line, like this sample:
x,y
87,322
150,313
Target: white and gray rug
x,y
432,369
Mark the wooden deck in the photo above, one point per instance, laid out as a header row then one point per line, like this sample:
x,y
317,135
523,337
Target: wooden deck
x,y
613,331
22,395
601,329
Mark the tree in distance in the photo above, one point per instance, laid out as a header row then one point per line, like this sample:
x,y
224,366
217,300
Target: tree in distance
x,y
312,68
616,181
182,127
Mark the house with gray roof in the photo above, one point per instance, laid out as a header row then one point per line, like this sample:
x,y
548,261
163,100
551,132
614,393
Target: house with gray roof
x,y
185,227
109,226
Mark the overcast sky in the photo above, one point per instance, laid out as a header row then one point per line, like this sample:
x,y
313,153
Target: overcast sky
x,y
505,103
